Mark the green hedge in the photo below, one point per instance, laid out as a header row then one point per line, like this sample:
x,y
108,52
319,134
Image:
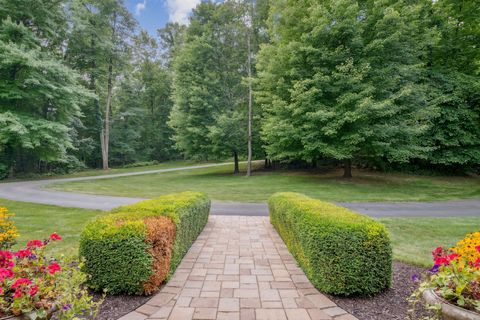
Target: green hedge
x,y
340,251
115,249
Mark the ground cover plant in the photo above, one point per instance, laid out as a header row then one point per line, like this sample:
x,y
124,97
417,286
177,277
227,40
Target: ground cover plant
x,y
342,252
136,247
220,184
33,285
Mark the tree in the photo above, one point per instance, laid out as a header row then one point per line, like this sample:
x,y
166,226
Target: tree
x,y
155,99
208,87
171,39
40,98
340,80
256,13
453,71
100,48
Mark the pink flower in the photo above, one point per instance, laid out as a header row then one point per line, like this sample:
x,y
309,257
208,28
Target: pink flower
x,y
21,282
35,243
478,248
6,255
5,273
33,290
23,253
17,294
6,259
53,268
55,237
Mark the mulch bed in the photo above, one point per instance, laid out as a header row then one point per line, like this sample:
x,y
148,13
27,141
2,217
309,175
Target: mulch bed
x,y
391,304
115,307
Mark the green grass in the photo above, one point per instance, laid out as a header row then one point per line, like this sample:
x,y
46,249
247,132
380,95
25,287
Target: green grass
x,y
220,184
37,221
99,172
414,239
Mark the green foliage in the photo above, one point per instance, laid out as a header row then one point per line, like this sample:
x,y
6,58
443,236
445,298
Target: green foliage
x,y
453,78
75,297
139,128
341,252
188,210
341,79
114,247
210,94
40,98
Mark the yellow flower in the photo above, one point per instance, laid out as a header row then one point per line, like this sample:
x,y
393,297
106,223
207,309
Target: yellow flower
x,y
8,231
467,247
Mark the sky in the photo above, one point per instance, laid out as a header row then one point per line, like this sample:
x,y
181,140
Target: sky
x,y
154,14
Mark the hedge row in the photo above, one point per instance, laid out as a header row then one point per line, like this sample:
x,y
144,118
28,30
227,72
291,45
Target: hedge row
x,y
136,247
340,251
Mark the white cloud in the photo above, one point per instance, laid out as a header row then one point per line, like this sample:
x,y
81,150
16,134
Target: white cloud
x,y
139,7
178,10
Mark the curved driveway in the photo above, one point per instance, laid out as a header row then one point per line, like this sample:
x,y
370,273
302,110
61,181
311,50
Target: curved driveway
x,y
33,191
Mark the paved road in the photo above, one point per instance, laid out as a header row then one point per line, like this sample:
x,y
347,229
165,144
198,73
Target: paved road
x,y
33,191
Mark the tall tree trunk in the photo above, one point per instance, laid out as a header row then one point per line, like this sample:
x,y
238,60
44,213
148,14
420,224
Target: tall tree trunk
x,y
235,159
347,169
106,123
250,110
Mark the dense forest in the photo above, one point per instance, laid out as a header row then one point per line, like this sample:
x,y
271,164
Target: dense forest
x,y
384,84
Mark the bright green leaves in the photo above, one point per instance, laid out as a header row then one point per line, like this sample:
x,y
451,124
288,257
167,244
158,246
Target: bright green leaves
x,y
40,97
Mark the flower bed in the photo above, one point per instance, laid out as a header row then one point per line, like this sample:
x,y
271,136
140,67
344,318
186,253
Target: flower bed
x,y
455,275
136,247
33,286
341,252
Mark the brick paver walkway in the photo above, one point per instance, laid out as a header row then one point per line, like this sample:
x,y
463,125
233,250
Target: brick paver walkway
x,y
239,268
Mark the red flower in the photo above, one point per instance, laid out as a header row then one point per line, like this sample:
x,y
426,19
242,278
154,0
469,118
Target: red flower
x,y
23,253
6,259
53,268
20,282
55,237
476,264
5,273
17,294
33,291
437,252
5,255
445,260
35,243
478,248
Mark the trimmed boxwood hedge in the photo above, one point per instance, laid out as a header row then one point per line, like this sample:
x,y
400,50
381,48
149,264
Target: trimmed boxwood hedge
x,y
126,250
341,252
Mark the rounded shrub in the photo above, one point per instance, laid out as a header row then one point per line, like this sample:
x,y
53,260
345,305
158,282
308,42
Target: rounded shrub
x,y
342,252
136,247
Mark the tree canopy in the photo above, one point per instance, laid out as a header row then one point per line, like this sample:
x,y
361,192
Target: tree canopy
x,y
383,84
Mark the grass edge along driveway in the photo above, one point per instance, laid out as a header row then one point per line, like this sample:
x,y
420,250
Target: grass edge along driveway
x,y
220,184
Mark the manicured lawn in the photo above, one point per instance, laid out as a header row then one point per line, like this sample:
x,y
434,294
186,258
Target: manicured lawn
x,y
414,239
99,172
37,221
220,184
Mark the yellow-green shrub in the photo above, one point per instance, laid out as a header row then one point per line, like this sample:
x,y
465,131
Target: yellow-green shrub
x,y
122,249
341,252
